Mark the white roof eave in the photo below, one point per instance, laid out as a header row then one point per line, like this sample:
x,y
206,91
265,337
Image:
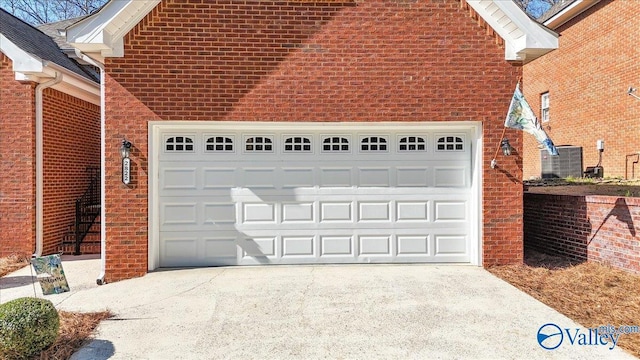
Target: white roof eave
x,y
104,31
568,13
28,67
23,62
524,38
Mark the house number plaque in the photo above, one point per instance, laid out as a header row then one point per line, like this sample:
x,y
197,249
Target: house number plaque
x,y
126,171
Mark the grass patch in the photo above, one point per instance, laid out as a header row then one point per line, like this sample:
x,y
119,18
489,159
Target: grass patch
x,y
589,293
75,328
574,180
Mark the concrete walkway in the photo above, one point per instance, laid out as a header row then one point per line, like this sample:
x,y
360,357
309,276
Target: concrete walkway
x,y
311,312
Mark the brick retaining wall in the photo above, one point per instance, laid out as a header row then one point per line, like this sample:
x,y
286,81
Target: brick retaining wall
x,y
604,229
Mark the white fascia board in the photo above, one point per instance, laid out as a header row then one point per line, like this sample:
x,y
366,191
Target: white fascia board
x,y
23,62
28,67
85,94
524,38
104,31
74,84
568,13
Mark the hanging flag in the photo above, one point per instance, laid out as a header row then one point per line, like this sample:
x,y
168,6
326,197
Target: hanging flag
x,y
521,117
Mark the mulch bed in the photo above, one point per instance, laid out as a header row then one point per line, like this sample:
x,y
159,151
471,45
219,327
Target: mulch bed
x,y
589,293
75,330
12,263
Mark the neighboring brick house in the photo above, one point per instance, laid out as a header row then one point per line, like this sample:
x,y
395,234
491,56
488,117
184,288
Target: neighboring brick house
x,y
586,82
49,135
302,132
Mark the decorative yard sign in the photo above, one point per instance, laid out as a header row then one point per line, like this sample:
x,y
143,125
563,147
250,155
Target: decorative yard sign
x,y
50,274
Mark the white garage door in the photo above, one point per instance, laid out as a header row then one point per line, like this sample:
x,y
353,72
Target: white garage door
x,y
310,193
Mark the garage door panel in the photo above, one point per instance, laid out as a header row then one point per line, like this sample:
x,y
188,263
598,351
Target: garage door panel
x,y
374,211
178,249
259,247
261,178
412,176
298,212
337,246
332,211
375,245
178,178
298,246
179,213
414,245
299,204
220,247
298,177
219,213
336,177
380,177
258,212
312,213
219,178
450,244
450,211
450,176
412,211
291,249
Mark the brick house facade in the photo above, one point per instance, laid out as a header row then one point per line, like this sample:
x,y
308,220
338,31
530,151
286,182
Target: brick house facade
x,y
35,222
286,62
587,79
17,163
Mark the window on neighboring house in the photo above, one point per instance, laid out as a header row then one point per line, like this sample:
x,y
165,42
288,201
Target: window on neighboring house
x,y
544,107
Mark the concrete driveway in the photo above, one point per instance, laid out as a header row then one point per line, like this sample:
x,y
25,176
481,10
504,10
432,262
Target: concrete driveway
x,y
306,312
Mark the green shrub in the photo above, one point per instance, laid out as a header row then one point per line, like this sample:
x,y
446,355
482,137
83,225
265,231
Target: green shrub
x,y
27,326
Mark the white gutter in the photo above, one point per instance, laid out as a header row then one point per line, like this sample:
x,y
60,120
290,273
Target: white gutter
x,y
74,84
568,13
39,161
103,228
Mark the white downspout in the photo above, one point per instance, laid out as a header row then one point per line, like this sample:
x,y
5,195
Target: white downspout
x,y
40,162
103,229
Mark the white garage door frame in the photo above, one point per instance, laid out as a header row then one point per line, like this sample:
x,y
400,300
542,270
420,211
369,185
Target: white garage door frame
x,y
157,128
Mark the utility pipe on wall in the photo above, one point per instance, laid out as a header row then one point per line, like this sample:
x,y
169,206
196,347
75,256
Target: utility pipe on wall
x,y
633,165
103,217
40,162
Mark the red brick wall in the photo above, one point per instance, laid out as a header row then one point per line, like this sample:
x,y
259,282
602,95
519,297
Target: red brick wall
x,y
587,79
603,229
71,143
291,61
17,163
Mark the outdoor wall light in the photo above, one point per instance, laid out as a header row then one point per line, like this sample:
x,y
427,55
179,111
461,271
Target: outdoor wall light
x,y
506,151
125,150
631,92
506,147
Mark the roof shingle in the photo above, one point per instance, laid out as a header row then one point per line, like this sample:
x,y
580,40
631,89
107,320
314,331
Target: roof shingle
x,y
37,43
